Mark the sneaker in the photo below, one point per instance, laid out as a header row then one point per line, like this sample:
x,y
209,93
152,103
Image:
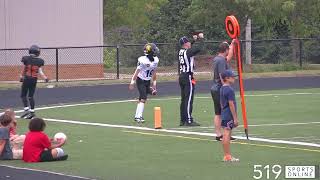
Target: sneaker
x,y
137,120
30,115
26,113
62,158
142,120
230,159
219,138
193,124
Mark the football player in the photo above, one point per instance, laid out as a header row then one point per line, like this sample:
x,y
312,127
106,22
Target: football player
x,y
29,77
146,70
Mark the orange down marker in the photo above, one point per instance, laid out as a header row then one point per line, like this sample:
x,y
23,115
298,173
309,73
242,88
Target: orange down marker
x,y
157,118
233,30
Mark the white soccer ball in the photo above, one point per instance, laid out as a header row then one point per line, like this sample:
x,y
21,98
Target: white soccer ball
x,y
60,136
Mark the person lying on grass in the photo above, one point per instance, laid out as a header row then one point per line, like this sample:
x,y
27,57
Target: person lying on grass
x,y
6,152
38,147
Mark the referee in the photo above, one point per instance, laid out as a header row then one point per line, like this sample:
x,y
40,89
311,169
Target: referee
x,y
29,77
186,79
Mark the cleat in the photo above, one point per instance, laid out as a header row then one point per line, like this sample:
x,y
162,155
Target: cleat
x,y
230,159
192,124
182,123
30,115
142,120
137,120
26,113
219,138
232,138
62,158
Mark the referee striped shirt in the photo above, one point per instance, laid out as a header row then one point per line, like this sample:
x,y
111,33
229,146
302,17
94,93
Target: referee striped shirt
x,y
186,58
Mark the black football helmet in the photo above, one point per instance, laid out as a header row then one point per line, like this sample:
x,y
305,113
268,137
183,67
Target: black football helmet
x,y
151,49
34,50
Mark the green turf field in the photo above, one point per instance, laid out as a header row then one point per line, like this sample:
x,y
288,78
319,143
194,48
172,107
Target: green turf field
x,y
113,153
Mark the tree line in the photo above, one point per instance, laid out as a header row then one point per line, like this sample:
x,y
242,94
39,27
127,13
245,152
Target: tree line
x,y
138,21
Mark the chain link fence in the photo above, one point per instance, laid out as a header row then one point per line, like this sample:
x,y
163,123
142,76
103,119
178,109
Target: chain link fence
x,y
119,62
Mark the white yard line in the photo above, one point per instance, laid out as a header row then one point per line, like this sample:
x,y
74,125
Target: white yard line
x,y
160,99
43,171
182,132
178,131
252,125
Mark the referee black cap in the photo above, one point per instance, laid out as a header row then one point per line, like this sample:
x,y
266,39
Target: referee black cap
x,y
183,40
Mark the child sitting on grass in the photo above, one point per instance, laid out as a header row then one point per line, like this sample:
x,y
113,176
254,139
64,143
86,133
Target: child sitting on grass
x,y
229,118
16,140
38,147
5,148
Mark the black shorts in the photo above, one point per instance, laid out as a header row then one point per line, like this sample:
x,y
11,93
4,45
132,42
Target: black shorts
x,y
228,124
216,101
143,88
28,87
46,156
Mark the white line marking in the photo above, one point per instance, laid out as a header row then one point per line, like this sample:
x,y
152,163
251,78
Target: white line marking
x,y
43,171
133,100
183,132
189,100
254,125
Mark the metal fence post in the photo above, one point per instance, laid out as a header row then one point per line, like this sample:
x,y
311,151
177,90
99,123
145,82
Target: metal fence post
x,y
301,53
118,63
57,64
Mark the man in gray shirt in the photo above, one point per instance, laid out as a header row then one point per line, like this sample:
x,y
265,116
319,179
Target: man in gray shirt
x,y
5,149
220,64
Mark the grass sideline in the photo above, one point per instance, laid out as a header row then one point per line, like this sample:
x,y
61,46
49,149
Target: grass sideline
x,y
106,153
201,77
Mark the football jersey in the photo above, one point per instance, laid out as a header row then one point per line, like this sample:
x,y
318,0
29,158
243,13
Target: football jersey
x,y
31,66
147,67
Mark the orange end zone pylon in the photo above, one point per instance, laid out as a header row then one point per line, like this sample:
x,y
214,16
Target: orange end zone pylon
x,y
233,30
157,118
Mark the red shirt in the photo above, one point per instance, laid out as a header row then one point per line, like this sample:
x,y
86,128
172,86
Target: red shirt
x,y
34,144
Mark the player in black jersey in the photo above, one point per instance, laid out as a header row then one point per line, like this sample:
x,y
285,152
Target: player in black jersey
x,y
186,78
29,77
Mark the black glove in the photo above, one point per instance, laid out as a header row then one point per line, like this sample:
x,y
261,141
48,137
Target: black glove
x,y
46,80
21,79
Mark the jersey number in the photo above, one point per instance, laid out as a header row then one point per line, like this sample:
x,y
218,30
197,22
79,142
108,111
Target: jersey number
x,y
149,73
181,63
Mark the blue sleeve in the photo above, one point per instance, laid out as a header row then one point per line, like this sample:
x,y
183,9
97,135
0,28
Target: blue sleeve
x,y
230,95
4,133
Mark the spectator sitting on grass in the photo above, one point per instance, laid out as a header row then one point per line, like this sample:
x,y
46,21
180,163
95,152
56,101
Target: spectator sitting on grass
x,y
6,152
16,140
38,147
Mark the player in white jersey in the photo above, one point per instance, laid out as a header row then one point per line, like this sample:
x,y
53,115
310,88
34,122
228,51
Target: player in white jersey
x,y
146,70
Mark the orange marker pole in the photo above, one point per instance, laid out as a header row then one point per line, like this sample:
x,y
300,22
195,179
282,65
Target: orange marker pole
x,y
243,103
233,30
157,118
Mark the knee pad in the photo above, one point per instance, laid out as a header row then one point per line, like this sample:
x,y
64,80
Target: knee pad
x,y
60,152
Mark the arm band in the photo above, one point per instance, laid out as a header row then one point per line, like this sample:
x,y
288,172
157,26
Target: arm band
x,y
132,81
154,83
